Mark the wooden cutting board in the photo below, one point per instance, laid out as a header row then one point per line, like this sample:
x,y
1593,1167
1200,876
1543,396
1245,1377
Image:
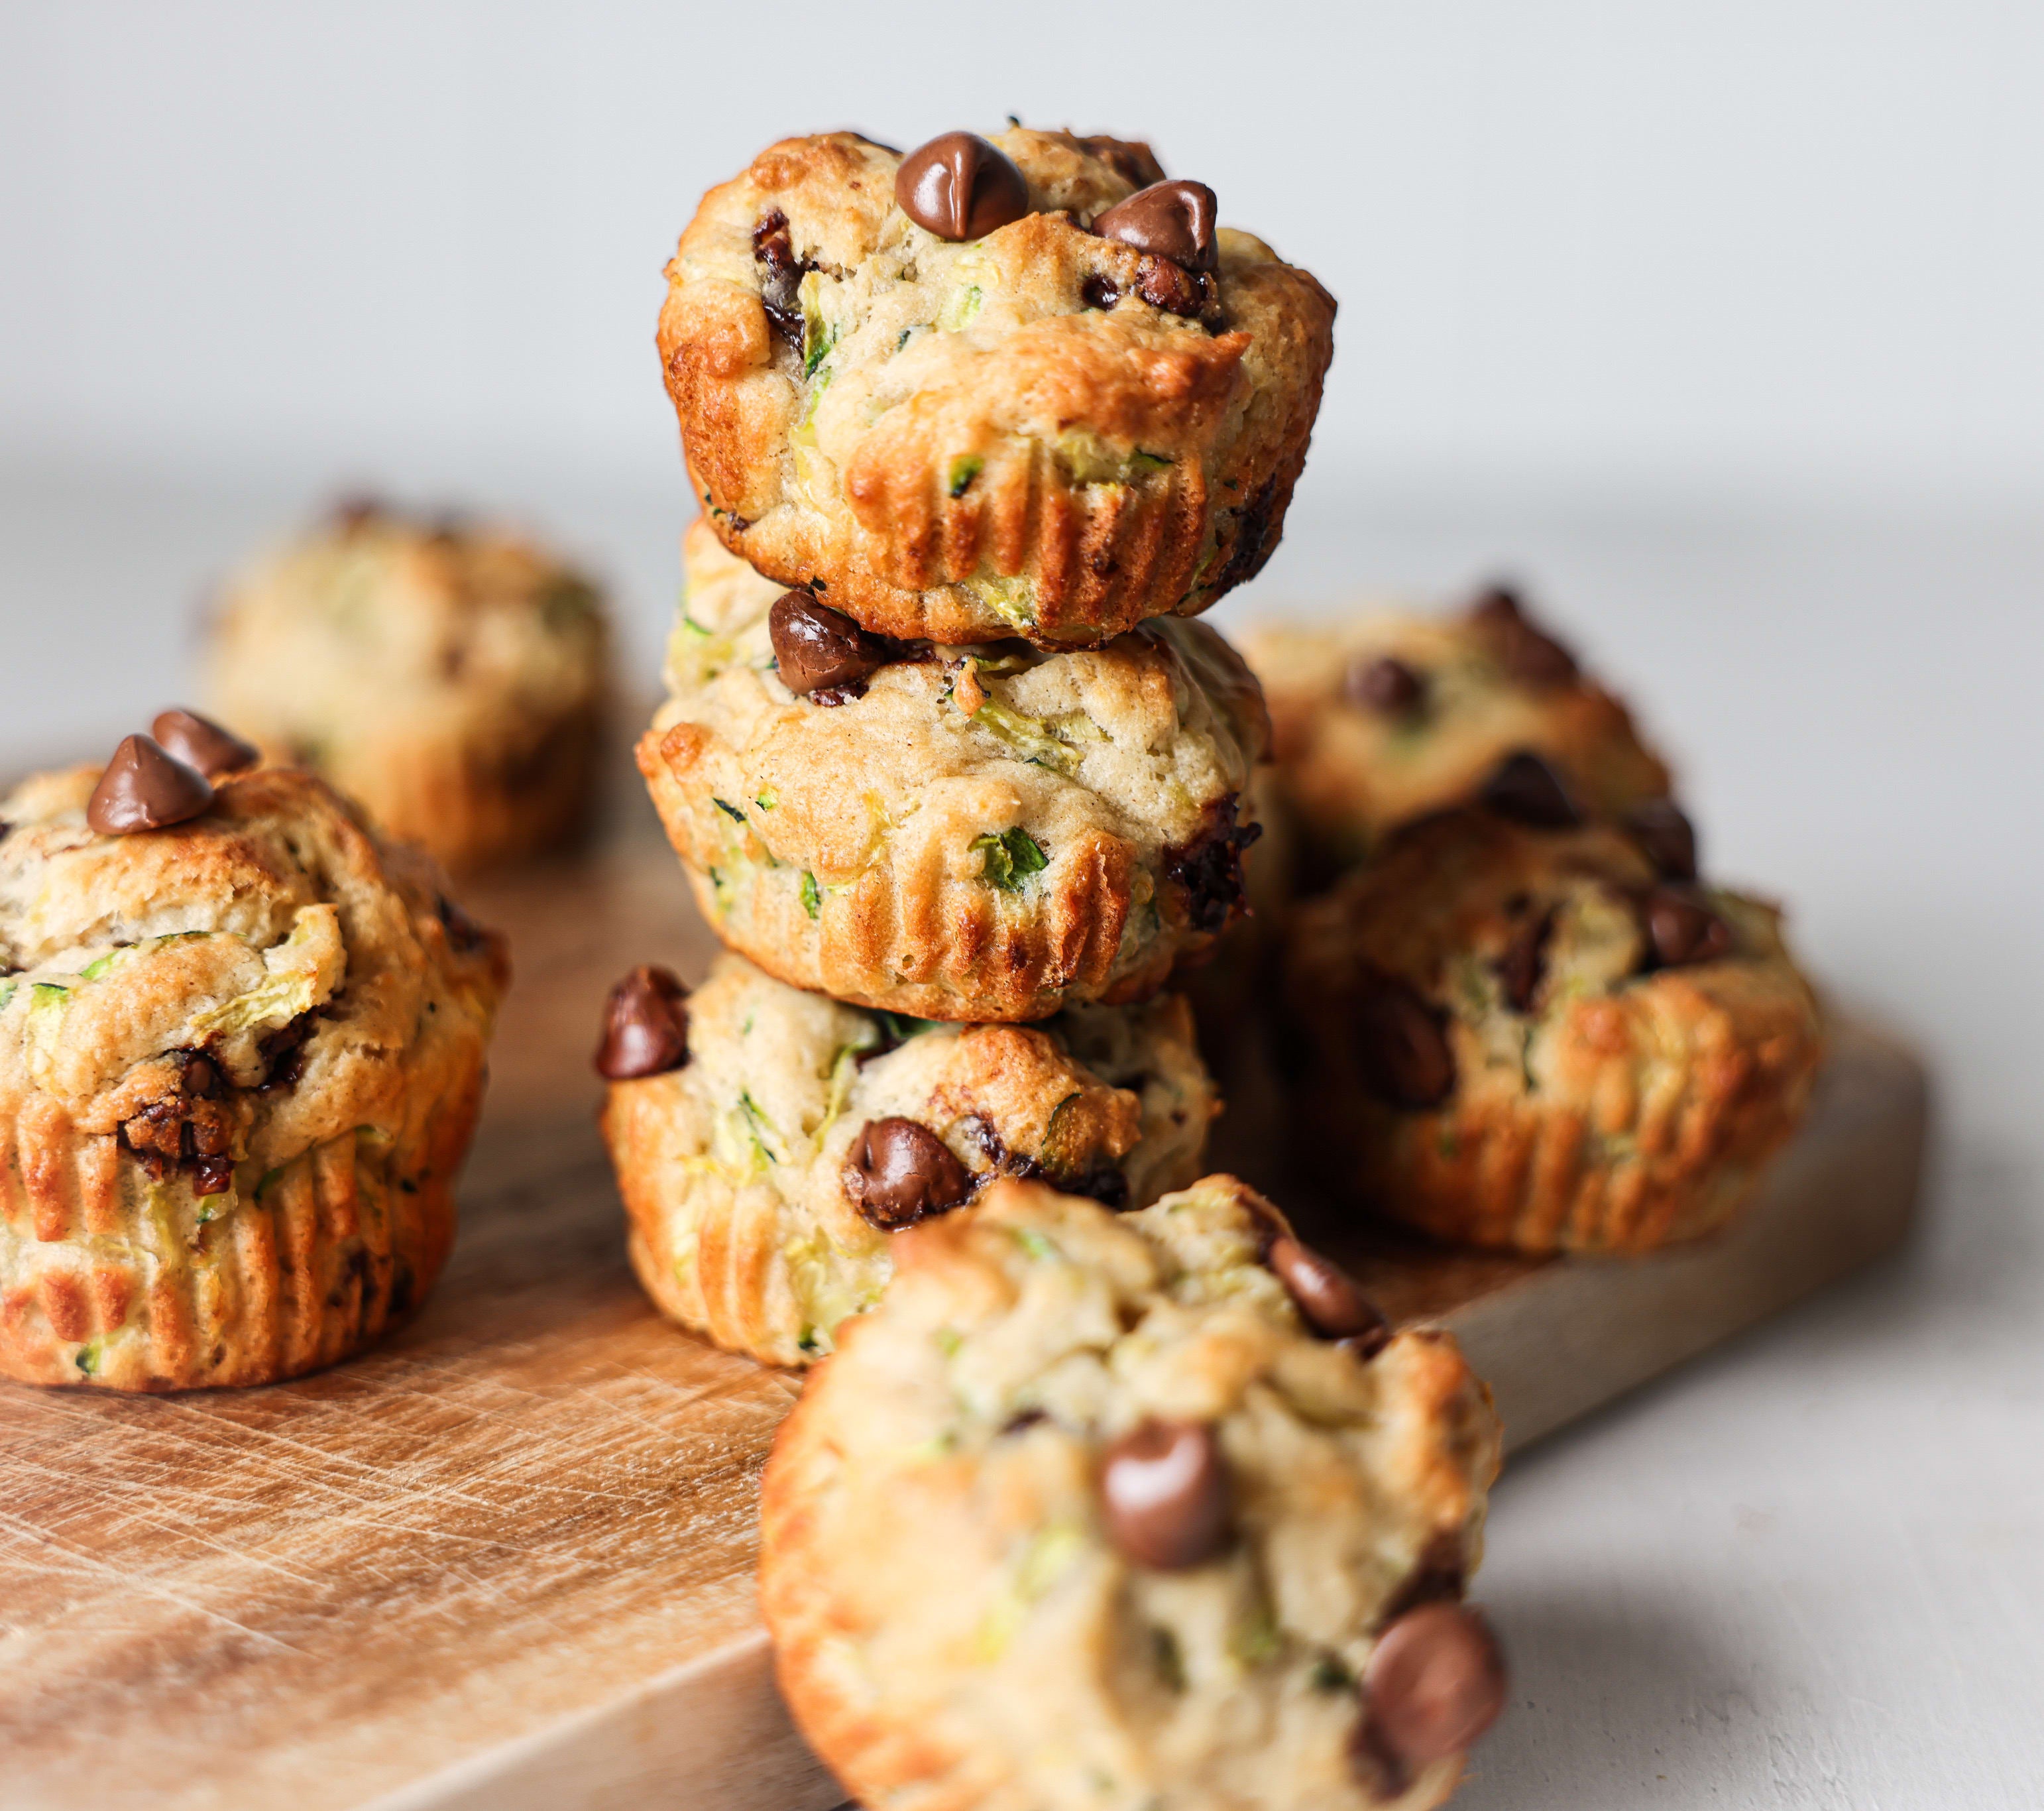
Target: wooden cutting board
x,y
505,1561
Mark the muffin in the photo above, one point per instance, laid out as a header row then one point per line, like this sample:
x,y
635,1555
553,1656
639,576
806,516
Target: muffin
x,y
1098,1514
770,1143
988,832
1008,387
241,1054
1379,720
451,678
1549,1039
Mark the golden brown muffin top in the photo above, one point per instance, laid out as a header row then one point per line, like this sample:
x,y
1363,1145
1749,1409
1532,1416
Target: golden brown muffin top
x,y
265,965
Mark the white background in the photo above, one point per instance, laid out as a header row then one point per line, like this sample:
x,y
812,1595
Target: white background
x,y
1723,325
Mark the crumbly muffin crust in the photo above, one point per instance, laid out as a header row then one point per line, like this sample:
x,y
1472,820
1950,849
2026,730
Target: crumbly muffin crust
x,y
1002,436
1379,720
451,678
744,1224
978,833
1520,1037
240,1059
957,1619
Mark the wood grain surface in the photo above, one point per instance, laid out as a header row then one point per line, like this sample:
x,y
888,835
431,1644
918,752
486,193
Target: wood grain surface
x,y
506,1561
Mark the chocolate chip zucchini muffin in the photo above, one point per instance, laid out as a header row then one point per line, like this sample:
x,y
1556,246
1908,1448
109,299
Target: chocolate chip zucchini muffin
x,y
988,833
241,1054
1381,721
451,678
1101,1513
1021,385
1553,1039
771,1144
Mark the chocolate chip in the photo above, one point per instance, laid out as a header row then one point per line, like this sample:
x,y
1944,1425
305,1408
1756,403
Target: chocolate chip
x,y
1528,654
1098,290
820,649
780,280
1255,540
200,743
1681,930
1326,1295
1400,1045
959,186
145,788
351,514
1384,684
464,935
645,1026
1522,965
1439,1576
1164,1491
1170,286
1130,159
1665,837
1103,1180
901,1172
1526,790
1209,866
1169,220
1434,1683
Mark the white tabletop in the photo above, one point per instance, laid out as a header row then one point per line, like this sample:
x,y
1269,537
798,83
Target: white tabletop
x,y
1807,1573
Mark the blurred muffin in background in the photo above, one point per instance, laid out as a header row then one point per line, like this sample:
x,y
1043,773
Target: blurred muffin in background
x,y
451,676
1387,717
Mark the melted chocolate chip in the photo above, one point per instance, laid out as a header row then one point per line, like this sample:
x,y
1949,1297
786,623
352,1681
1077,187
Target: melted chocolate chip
x,y
283,1053
901,1172
1528,654
818,649
1165,284
465,937
1665,837
200,743
145,788
191,1129
1209,866
1526,790
1253,540
645,1026
1164,1491
1439,1576
1522,965
959,186
1099,290
780,277
1434,1683
1168,220
1400,1046
1326,1295
1681,930
1385,684
1103,1180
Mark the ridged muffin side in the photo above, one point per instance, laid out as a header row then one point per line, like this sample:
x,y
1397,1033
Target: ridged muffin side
x,y
240,1061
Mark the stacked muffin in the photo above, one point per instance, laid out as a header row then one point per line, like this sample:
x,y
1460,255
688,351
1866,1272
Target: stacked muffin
x,y
1113,1494
950,772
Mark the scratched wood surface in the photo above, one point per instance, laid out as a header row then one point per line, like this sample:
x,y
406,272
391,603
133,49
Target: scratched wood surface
x,y
505,1561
